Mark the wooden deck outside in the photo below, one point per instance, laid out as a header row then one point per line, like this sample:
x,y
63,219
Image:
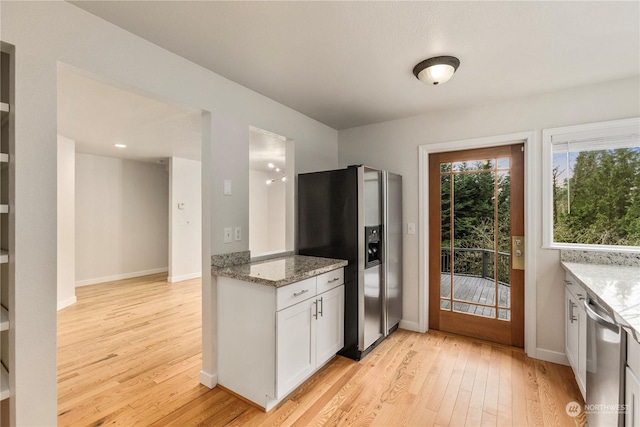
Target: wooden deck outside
x,y
474,290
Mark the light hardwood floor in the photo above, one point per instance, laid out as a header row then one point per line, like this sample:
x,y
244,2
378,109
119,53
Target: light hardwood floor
x,y
129,354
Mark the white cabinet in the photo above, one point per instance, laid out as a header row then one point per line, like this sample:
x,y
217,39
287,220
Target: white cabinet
x,y
309,334
576,331
632,399
296,350
271,339
632,384
330,324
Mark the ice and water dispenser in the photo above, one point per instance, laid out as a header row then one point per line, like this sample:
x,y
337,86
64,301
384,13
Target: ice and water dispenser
x,y
373,245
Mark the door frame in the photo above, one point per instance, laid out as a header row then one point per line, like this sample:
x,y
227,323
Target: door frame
x,y
529,139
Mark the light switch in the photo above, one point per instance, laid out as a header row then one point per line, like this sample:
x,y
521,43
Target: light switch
x,y
227,235
411,228
227,187
238,235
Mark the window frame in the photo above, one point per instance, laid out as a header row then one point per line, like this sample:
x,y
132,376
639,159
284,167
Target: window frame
x,y
631,125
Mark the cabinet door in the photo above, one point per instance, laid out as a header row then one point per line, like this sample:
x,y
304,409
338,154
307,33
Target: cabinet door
x,y
632,399
296,348
330,330
581,358
571,330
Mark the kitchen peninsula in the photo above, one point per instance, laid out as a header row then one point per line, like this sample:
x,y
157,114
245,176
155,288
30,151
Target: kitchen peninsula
x,y
279,321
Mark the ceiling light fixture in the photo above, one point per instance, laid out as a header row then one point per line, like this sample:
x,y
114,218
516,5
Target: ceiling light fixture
x,y
271,165
434,71
120,145
269,181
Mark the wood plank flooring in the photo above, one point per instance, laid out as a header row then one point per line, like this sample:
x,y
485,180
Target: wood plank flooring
x,y
129,354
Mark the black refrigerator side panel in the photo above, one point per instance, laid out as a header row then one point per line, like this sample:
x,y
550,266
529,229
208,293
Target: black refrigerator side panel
x,y
328,227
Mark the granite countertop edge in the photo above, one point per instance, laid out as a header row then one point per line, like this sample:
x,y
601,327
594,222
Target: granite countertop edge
x,y
577,270
235,272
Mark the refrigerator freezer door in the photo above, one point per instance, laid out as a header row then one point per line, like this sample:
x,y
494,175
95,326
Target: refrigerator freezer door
x,y
372,307
392,249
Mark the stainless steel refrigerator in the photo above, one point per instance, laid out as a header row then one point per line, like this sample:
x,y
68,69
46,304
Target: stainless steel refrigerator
x,y
356,214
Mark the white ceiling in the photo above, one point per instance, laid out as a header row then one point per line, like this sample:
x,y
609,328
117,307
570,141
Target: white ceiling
x,y
350,63
97,115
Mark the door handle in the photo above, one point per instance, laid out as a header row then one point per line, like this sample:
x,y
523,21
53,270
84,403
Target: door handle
x,y
517,252
321,307
315,306
571,316
613,326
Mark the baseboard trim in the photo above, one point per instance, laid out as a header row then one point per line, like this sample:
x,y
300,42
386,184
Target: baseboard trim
x,y
66,303
208,380
182,277
551,356
104,279
409,326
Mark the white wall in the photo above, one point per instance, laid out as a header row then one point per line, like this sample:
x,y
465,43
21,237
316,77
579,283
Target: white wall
x,y
394,146
88,43
66,222
267,216
122,223
258,208
277,217
185,224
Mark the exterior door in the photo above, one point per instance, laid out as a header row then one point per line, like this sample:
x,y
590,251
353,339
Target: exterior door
x,y
476,243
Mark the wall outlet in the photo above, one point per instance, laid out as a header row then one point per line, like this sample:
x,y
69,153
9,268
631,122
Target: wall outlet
x,y
227,235
227,187
238,235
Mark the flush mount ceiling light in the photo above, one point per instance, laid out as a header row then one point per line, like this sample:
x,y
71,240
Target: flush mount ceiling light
x,y
434,71
120,145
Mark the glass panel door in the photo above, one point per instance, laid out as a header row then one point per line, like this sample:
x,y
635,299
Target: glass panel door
x,y
471,193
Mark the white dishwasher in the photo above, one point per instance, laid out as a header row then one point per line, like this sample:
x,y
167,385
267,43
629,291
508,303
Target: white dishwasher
x,y
605,362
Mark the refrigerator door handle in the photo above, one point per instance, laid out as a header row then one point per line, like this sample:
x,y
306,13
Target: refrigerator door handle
x,y
361,259
385,253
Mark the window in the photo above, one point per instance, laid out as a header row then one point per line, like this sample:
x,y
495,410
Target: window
x,y
591,177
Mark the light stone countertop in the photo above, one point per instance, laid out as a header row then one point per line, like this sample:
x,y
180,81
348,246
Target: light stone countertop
x,y
280,271
616,287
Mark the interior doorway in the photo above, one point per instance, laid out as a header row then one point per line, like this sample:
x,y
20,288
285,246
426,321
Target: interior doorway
x,y
129,178
130,168
476,243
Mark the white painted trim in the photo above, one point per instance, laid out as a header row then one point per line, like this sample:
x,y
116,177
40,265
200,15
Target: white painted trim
x,y
208,380
409,326
104,279
66,303
173,279
552,356
529,140
531,245
423,239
